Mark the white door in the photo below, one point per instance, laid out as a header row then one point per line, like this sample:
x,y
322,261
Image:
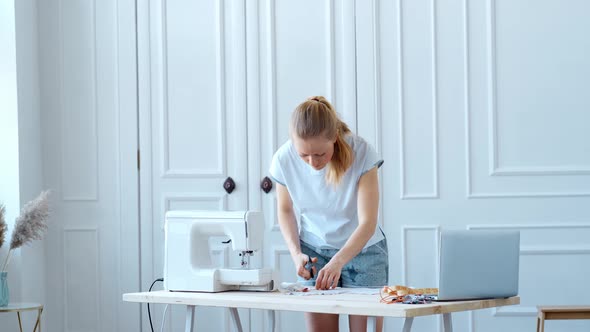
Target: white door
x,y
88,113
306,48
193,129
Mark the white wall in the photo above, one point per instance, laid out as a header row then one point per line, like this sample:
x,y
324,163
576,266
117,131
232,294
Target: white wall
x,y
8,112
9,162
20,143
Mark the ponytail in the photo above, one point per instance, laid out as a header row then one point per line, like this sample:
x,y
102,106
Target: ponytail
x,y
317,117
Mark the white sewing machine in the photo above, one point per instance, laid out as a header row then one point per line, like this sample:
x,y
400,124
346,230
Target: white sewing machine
x,y
187,256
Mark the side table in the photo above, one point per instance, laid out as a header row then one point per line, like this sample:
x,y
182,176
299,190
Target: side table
x,y
18,307
560,312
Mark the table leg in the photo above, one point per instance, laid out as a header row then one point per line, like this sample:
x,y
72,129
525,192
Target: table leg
x,y
271,320
408,324
20,324
236,318
541,318
38,322
448,323
371,324
190,318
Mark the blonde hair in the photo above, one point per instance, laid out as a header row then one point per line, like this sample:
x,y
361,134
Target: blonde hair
x,y
317,117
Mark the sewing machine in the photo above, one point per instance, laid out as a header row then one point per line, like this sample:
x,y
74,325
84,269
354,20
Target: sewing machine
x,y
187,255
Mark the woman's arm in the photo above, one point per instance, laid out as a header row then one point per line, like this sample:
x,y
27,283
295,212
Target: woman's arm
x,y
288,225
368,210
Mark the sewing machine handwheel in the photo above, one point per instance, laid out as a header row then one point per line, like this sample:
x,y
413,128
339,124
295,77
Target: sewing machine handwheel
x,y
266,185
229,185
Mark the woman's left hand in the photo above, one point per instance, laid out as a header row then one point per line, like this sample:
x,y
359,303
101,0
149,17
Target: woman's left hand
x,y
329,276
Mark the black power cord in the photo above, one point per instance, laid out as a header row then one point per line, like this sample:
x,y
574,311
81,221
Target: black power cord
x,y
148,305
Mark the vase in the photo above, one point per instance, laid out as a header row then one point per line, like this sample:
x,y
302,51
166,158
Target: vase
x,y
4,296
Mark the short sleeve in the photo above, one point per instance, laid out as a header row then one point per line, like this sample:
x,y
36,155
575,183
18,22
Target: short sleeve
x,y
371,159
276,171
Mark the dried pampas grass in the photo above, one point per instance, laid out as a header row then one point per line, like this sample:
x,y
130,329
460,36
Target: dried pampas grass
x,y
3,226
32,222
30,225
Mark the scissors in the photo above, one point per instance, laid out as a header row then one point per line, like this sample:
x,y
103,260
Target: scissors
x,y
309,266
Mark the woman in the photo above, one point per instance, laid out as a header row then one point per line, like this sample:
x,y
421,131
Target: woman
x,y
329,176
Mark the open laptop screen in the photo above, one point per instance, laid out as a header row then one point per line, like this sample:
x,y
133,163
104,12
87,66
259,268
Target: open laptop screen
x,y
478,264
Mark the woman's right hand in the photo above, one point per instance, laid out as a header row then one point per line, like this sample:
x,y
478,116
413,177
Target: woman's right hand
x,y
300,261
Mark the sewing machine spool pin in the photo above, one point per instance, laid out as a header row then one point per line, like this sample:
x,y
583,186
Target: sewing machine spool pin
x,y
245,254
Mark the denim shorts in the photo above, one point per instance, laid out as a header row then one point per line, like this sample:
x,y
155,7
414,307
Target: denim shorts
x,y
370,268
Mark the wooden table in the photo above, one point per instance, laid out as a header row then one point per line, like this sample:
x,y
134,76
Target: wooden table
x,y
351,304
18,307
560,312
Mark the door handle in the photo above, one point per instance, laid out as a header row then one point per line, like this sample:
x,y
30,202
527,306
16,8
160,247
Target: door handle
x,y
229,185
266,185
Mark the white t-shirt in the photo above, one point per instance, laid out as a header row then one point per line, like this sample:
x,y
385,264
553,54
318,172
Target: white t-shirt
x,y
328,215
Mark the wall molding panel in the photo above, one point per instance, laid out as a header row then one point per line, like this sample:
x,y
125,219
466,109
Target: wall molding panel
x,y
163,92
277,253
402,86
331,56
540,171
435,229
534,181
89,294
478,195
404,246
345,94
269,68
220,200
368,90
547,226
495,168
270,79
78,101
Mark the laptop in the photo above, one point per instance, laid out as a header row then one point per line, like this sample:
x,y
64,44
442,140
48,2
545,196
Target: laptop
x,y
478,264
